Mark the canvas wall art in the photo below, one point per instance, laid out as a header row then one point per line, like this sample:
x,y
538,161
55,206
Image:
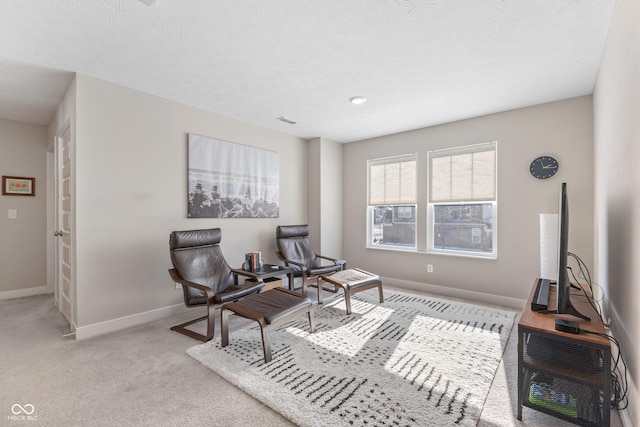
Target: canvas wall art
x,y
229,180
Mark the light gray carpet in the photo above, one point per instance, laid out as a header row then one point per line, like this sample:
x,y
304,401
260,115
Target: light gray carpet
x,y
143,377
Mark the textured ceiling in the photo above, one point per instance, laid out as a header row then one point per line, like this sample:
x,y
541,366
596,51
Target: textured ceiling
x,y
418,62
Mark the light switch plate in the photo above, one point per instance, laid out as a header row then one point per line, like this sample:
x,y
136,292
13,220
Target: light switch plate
x,y
12,214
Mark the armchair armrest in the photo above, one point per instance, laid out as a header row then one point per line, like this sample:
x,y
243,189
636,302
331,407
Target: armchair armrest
x,y
176,278
302,267
326,257
340,262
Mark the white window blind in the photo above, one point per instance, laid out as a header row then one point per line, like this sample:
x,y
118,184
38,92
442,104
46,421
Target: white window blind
x,y
393,180
463,174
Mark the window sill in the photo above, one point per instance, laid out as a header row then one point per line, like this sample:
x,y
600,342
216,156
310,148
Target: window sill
x,y
437,253
393,249
474,255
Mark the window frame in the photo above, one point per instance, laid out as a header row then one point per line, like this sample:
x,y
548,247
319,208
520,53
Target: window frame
x,y
395,203
431,249
431,205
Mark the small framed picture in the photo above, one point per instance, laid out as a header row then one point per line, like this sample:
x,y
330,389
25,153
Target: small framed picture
x,y
18,186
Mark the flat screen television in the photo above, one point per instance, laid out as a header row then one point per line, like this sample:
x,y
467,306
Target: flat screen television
x,y
564,284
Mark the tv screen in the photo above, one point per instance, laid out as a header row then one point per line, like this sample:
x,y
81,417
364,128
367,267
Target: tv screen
x,y
564,284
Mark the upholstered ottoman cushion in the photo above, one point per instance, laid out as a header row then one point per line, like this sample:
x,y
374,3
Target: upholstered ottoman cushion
x,y
351,281
272,306
270,309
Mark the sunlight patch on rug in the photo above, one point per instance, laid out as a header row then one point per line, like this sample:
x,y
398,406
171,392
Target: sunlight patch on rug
x,y
411,361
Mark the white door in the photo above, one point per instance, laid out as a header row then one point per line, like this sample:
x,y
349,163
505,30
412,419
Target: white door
x,y
64,243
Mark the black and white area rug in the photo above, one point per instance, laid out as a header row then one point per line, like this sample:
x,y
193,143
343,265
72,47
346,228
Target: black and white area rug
x,y
410,361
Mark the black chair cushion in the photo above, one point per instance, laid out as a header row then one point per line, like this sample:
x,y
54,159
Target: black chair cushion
x,y
325,270
286,231
194,238
293,244
197,257
235,292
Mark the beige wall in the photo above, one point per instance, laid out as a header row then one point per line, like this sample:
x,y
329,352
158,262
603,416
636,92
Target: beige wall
x,y
561,129
23,254
332,208
314,187
324,173
131,181
617,192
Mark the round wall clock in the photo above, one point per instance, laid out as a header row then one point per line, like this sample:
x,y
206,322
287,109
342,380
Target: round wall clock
x,y
544,167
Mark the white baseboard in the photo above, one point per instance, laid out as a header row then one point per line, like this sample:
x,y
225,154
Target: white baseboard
x,y
83,332
456,293
625,416
89,331
19,293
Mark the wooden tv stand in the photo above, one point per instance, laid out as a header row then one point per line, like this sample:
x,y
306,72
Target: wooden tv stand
x,y
562,374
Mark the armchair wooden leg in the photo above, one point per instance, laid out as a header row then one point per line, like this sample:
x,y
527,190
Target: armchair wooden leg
x,y
380,292
181,328
224,327
211,322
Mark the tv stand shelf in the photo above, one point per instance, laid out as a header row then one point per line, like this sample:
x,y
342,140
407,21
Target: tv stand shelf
x,y
564,375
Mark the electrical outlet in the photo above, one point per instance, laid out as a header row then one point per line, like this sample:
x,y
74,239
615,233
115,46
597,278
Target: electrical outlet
x,y
178,286
429,268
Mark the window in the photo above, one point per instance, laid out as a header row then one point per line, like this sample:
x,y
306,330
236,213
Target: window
x,y
462,203
391,208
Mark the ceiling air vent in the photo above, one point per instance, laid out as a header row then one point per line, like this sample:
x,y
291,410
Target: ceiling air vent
x,y
286,120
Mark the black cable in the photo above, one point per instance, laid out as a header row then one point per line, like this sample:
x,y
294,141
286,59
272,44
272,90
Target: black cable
x,y
587,277
589,299
619,386
581,263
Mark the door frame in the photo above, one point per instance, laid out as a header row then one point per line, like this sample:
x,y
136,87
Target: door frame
x,y
57,221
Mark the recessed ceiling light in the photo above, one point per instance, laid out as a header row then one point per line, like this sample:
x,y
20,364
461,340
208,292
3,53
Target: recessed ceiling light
x,y
358,100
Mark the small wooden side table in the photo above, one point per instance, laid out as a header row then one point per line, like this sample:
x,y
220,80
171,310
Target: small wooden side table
x,y
268,271
564,375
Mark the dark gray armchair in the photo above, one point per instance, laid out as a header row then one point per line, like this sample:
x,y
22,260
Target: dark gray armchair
x,y
295,250
206,278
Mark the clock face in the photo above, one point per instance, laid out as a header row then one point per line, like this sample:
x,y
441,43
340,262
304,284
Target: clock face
x,y
544,167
